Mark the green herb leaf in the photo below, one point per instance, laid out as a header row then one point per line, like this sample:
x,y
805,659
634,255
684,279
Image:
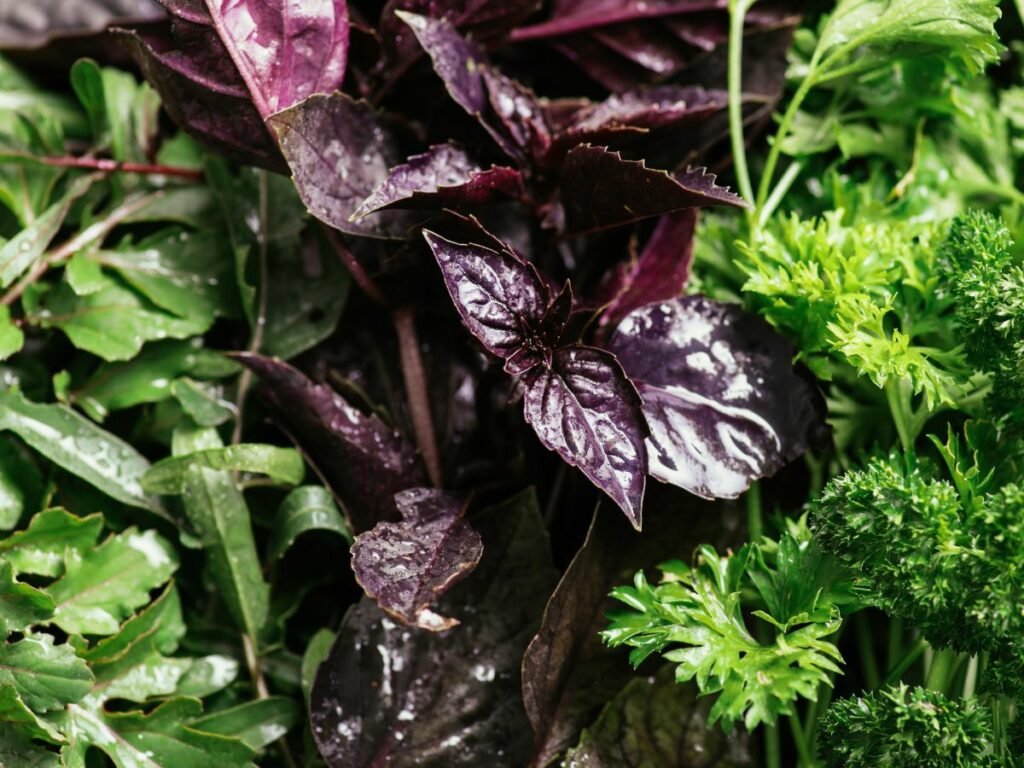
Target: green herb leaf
x,y
80,447
256,723
309,508
46,676
40,548
283,465
21,605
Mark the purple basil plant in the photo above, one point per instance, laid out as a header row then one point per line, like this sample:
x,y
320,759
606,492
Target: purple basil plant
x,y
516,191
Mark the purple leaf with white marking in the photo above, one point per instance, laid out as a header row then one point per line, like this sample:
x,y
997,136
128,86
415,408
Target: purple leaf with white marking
x,y
407,566
584,408
723,401
443,176
362,460
500,298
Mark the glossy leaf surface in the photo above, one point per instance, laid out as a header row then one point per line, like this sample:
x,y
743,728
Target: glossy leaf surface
x,y
723,401
406,567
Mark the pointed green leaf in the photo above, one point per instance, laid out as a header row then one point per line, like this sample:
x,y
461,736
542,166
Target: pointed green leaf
x,y
208,675
157,629
159,739
18,751
308,508
46,676
21,485
77,445
103,586
24,249
40,548
257,723
316,651
14,715
218,511
112,323
201,403
21,605
11,336
283,465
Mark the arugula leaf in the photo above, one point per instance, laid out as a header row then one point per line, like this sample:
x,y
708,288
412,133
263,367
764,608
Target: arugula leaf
x,y
101,587
80,447
306,508
283,465
21,605
21,485
40,548
256,723
45,675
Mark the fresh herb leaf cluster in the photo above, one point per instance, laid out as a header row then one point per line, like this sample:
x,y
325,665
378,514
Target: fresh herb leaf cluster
x,y
325,334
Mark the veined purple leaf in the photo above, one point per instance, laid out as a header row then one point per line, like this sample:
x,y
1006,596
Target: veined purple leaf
x,y
460,63
407,566
585,409
442,176
190,10
389,695
500,298
339,151
652,108
601,189
284,50
363,461
661,272
519,111
720,394
215,110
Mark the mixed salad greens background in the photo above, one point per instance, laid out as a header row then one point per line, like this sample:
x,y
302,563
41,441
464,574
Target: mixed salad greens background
x,y
340,341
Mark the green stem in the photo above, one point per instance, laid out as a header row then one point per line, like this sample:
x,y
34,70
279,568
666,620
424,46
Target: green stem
x,y
803,751
755,523
867,651
897,670
780,135
943,667
772,747
778,192
895,642
737,12
894,395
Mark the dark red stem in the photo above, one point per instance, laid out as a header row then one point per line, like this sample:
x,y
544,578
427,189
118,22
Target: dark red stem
x,y
416,391
360,275
113,166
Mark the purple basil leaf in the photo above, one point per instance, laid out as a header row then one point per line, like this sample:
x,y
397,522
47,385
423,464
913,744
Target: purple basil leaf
x,y
568,673
284,50
34,24
601,189
720,394
216,110
339,151
443,176
459,63
652,108
572,16
406,567
391,695
661,272
585,409
500,298
519,110
363,461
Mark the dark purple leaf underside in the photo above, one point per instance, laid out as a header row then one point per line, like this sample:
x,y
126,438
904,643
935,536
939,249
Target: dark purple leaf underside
x,y
601,189
573,16
501,299
393,696
459,63
284,50
585,409
661,272
720,394
443,176
33,25
363,461
339,151
407,566
215,110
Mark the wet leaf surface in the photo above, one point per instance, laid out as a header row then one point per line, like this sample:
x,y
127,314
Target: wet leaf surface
x,y
393,695
406,567
720,393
